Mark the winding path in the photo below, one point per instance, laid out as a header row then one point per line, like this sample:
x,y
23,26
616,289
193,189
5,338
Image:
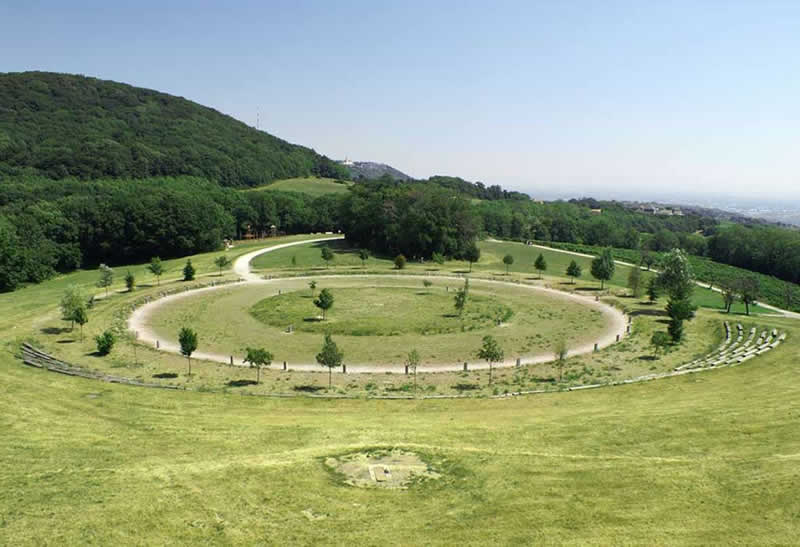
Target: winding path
x,y
139,319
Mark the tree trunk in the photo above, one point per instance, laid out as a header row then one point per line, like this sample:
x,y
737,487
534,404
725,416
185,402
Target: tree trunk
x,y
490,373
190,364
415,379
258,375
330,374
470,266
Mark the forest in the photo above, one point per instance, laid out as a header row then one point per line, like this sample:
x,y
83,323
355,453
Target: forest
x,y
62,125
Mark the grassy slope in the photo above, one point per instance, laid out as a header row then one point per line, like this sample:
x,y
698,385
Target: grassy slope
x,y
707,458
313,186
710,458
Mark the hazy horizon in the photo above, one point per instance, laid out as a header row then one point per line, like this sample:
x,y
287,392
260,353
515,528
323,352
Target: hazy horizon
x,y
646,102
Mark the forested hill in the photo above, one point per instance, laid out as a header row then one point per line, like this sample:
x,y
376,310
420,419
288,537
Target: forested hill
x,y
61,125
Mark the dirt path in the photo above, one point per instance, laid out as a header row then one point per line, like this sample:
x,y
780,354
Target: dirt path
x,y
139,320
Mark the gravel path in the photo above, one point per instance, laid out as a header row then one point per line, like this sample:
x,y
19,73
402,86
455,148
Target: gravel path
x,y
139,320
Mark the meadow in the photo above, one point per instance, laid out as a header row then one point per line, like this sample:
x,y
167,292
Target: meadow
x,y
313,186
707,458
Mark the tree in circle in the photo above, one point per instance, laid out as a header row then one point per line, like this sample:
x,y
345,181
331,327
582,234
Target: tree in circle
x,y
412,362
327,255
491,352
603,267
156,268
508,260
363,254
330,356
257,358
472,254
461,298
400,262
574,270
540,264
187,338
313,286
106,277
324,302
222,262
188,271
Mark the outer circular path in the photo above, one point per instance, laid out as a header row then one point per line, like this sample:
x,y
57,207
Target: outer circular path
x,y
139,320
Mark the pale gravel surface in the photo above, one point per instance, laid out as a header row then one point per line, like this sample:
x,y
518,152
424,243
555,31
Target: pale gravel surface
x,y
139,320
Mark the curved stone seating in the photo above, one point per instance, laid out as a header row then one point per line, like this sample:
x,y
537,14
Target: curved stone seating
x,y
733,351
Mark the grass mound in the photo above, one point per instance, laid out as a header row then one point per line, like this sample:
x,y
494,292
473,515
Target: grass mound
x,y
380,311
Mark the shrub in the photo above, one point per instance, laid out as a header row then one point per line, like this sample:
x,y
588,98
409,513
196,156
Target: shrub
x,y
105,342
400,262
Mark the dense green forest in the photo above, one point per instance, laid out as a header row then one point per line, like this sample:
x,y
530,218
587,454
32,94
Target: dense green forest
x,y
96,171
61,125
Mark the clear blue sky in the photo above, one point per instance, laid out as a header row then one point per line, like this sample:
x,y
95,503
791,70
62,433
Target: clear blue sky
x,y
590,98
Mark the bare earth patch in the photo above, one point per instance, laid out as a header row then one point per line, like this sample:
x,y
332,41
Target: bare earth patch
x,y
394,469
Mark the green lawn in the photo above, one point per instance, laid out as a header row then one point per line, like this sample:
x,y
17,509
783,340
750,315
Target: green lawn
x,y
379,320
703,459
314,186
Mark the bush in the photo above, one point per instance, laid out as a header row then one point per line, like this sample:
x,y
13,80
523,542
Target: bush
x,y
400,262
105,342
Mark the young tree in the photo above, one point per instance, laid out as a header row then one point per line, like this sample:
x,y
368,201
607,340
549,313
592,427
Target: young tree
x,y
81,317
438,258
541,264
508,260
400,262
728,295
635,282
653,290
106,277
574,270
188,271
105,342
491,352
313,286
330,356
603,267
363,254
188,341
412,361
461,297
294,261
156,268
327,255
324,302
472,254
561,356
130,281
748,292
677,280
660,340
257,358
788,296
646,260
222,262
427,283
72,300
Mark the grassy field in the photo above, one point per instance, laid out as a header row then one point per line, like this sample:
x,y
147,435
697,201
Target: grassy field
x,y
314,186
399,310
709,458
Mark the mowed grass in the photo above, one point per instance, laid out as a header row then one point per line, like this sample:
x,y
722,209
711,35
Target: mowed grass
x,y
708,458
225,322
313,186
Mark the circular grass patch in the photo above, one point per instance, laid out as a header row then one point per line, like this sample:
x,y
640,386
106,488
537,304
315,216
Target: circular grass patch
x,y
393,469
381,311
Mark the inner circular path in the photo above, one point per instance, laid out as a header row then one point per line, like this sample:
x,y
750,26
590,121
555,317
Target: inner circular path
x,y
377,319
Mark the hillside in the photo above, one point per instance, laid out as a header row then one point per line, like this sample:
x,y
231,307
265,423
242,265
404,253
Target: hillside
x,y
313,186
371,170
61,125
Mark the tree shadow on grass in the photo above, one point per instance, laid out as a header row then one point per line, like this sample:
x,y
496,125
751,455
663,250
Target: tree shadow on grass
x,y
66,341
312,319
461,271
241,383
306,388
166,375
589,289
651,313
54,330
647,358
